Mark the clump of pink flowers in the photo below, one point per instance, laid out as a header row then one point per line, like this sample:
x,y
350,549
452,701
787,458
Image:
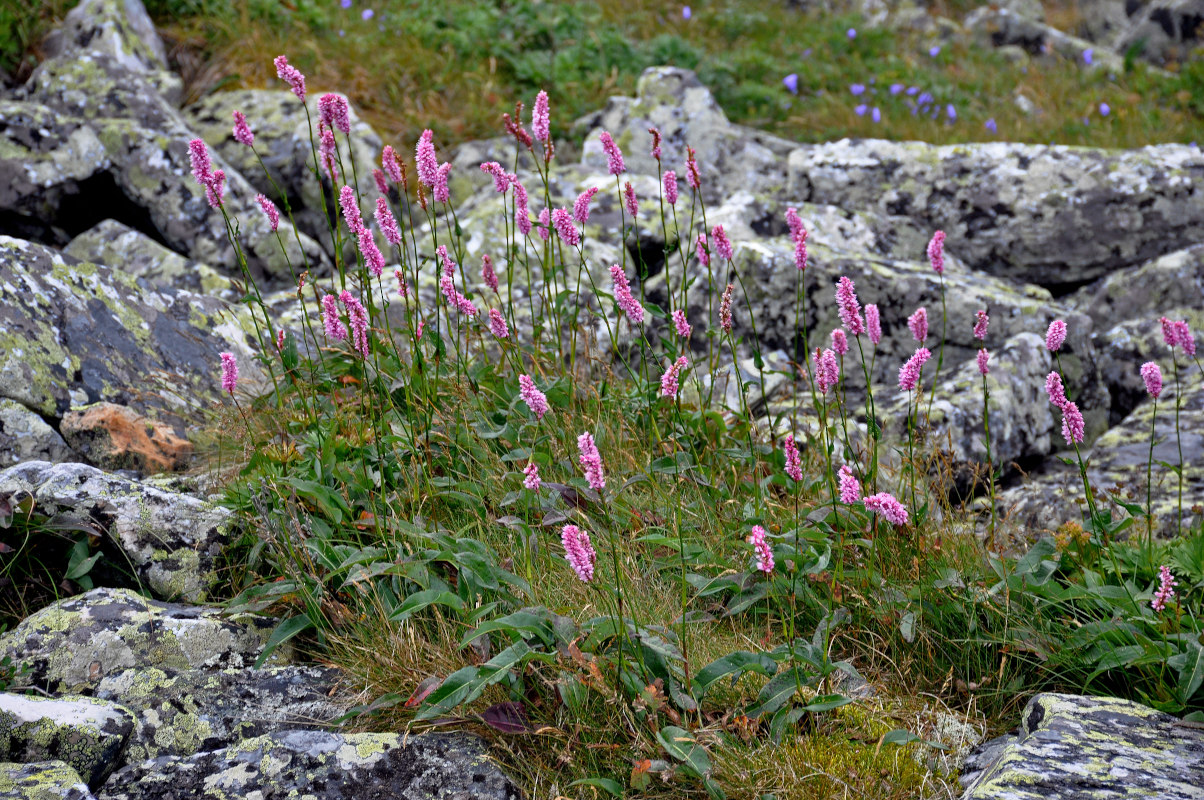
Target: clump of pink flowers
x,y
1166,588
330,319
1055,336
229,372
850,487
487,273
1151,373
581,205
681,324
794,466
497,324
531,479
764,555
270,211
909,373
333,111
562,221
1073,426
623,296
291,75
357,315
849,307
1178,334
629,199
387,222
591,461
840,342
614,156
723,245
936,252
242,131
671,377
873,323
827,371
670,182
888,507
536,400
981,320
917,323
982,358
579,552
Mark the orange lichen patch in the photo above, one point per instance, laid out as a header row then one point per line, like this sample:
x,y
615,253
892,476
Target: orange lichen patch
x,y
113,436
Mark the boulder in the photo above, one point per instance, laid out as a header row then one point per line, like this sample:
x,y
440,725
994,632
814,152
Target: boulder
x,y
73,333
76,642
172,540
1002,27
44,780
1018,210
1094,748
115,437
89,735
324,766
25,436
1166,30
179,713
1145,291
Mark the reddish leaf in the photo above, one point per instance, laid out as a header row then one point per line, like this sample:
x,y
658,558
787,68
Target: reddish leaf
x,y
507,718
427,686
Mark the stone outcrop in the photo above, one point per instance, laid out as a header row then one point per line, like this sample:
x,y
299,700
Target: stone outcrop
x,y
42,780
89,735
115,437
25,436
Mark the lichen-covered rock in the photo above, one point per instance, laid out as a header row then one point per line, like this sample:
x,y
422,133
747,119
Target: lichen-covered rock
x,y
73,333
119,28
322,766
1094,748
25,436
43,780
132,252
184,712
47,160
1165,30
113,437
74,643
1147,291
1000,27
89,735
172,540
282,140
1019,210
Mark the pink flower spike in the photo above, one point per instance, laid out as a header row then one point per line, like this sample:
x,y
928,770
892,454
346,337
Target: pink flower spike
x,y
229,373
591,461
497,324
873,323
888,507
794,464
421,325
764,554
1054,388
581,205
449,266
391,162
351,210
242,131
693,178
850,487
291,75
202,166
215,189
332,109
531,480
541,118
562,221
656,143
522,211
1151,373
680,324
725,310
330,319
723,245
628,304
441,191
850,309
669,380
798,234
1169,334
1072,423
827,371
372,255
1166,588
501,180
909,373
358,316
981,320
328,153
269,210
579,552
545,227
280,340
670,183
401,283
487,273
936,252
918,324
387,223
382,184
1055,336
425,159
536,400
840,342
982,358
700,247
614,157
633,207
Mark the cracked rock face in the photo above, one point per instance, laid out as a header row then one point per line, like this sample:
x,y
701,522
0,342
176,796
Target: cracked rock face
x,y
42,780
25,436
172,540
87,734
76,642
323,766
1094,748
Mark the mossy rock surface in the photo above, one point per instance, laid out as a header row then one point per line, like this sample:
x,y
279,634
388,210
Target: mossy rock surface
x,y
43,780
88,734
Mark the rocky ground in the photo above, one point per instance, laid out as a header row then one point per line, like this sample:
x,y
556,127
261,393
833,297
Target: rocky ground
x,y
116,282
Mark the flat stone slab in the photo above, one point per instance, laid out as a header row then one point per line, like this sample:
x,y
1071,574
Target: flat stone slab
x,y
87,734
44,780
322,766
1095,748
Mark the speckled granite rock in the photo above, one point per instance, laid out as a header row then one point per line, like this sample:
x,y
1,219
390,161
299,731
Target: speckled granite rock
x,y
44,780
184,712
322,766
1019,210
1095,748
73,333
25,436
76,642
172,540
89,735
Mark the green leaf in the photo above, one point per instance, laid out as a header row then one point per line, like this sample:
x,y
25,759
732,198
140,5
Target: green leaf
x,y
1191,675
777,692
606,784
80,563
681,746
744,600
907,627
420,600
735,664
900,736
286,630
454,690
827,702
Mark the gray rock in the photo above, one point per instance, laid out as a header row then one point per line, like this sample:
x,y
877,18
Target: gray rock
x,y
180,713
1145,291
172,540
132,252
1019,210
1103,20
74,643
1094,748
1002,27
119,28
323,766
89,735
25,436
1165,30
44,780
73,333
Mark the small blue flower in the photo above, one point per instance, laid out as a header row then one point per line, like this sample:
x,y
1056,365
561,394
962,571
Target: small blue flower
x,y
342,32
857,89
876,115
911,92
935,50
1104,109
367,14
990,125
685,12
1087,56
951,112
807,53
852,33
861,109
924,99
346,3
895,88
791,83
